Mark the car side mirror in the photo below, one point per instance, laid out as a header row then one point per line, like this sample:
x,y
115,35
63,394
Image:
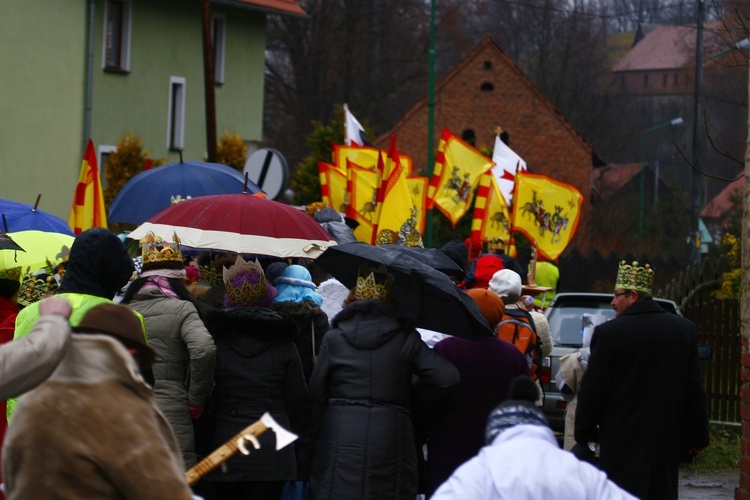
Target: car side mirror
x,y
705,352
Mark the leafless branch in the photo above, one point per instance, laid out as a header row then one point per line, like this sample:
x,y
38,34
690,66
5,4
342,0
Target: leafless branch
x,y
695,168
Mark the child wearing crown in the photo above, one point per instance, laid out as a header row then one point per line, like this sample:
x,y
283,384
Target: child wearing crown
x,y
258,369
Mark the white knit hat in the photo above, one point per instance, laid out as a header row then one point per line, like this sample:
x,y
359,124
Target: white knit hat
x,y
507,284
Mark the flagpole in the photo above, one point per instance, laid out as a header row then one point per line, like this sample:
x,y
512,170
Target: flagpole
x,y
430,118
346,125
512,212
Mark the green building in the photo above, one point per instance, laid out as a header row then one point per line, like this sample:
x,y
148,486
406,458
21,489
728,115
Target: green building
x,y
74,69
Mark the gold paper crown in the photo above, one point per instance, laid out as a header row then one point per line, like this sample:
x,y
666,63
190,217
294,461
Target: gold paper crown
x,y
635,277
13,274
211,276
248,293
155,251
368,288
34,288
495,244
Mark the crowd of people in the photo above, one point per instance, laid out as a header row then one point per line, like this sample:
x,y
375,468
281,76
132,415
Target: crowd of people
x,y
137,369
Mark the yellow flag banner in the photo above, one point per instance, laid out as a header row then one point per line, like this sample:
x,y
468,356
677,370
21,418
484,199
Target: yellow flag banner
x,y
325,188
397,224
457,170
88,203
364,156
546,211
333,188
418,190
491,216
363,186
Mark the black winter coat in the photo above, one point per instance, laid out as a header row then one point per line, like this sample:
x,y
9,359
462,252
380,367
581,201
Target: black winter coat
x,y
305,314
643,388
365,448
257,370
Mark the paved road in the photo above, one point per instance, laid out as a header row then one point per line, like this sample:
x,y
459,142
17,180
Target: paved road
x,y
713,486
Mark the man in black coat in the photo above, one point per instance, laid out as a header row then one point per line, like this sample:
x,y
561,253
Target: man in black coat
x,y
642,397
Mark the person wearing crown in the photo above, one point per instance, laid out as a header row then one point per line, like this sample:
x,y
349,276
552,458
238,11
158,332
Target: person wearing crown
x,y
184,366
642,397
363,383
258,369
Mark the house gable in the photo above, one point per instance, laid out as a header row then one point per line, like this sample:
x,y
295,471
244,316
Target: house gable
x,y
488,89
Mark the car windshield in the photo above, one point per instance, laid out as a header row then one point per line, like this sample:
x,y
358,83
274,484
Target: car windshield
x,y
566,320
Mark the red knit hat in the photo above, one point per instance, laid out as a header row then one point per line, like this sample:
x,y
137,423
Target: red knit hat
x,y
489,303
485,268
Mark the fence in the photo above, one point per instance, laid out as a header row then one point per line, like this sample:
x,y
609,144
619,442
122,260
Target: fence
x,y
718,323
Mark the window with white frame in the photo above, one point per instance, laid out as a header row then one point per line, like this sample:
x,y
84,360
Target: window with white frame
x,y
218,38
176,131
117,17
104,152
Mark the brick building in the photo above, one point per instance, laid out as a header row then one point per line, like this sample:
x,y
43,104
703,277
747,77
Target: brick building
x,y
488,89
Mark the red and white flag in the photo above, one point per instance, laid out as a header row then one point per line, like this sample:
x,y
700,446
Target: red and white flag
x,y
507,163
355,133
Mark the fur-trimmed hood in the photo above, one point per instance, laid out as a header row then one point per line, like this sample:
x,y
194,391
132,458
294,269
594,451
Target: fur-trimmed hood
x,y
249,330
368,324
301,310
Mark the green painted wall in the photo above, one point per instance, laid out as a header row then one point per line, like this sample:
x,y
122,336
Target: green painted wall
x,y
42,71
166,41
43,80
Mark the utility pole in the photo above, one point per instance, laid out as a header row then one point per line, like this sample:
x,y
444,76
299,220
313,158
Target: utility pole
x,y
208,80
430,119
696,180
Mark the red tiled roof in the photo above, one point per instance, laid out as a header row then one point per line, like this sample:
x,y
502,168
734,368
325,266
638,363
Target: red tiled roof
x,y
283,6
609,179
670,47
723,201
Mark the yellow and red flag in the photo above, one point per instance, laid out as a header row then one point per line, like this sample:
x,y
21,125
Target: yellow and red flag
x,y
418,190
88,203
364,156
333,188
491,216
363,184
458,167
546,211
397,222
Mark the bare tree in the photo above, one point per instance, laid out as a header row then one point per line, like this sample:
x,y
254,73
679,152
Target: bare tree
x,y
371,54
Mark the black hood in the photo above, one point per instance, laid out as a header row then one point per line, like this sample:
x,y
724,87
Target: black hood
x,y
368,324
328,215
98,265
249,330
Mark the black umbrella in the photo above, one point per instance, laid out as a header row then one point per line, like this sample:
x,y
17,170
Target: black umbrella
x,y
7,243
428,295
431,257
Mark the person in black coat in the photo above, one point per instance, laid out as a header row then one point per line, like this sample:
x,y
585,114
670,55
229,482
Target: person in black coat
x,y
365,448
298,301
642,397
257,370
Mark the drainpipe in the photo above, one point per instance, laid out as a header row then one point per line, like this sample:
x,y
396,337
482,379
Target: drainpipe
x,y
89,75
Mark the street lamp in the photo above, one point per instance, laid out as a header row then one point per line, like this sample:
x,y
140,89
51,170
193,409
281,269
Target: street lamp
x,y
672,123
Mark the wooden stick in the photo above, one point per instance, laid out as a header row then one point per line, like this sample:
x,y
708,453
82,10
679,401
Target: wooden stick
x,y
222,453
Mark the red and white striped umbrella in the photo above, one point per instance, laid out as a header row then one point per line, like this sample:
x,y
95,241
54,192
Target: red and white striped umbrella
x,y
240,223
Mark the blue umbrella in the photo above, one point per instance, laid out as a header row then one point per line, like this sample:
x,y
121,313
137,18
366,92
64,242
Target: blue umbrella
x,y
22,217
151,191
